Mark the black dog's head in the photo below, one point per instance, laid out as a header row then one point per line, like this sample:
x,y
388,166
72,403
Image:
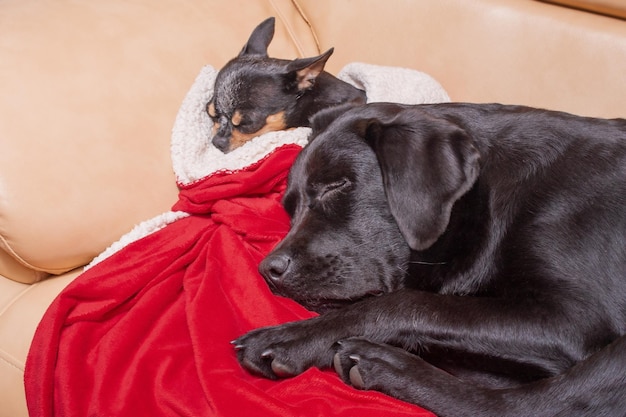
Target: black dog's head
x,y
255,94
374,183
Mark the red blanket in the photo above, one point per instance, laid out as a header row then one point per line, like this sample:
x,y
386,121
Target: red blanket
x,y
146,332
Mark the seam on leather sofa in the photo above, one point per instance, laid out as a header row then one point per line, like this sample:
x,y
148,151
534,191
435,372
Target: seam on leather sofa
x,y
5,356
4,245
288,26
13,269
305,40
611,8
18,296
10,360
308,22
16,268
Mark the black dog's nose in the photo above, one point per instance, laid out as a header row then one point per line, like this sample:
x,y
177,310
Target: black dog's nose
x,y
274,267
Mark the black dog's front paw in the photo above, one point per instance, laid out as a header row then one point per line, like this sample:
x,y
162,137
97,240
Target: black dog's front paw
x,y
284,351
372,366
407,377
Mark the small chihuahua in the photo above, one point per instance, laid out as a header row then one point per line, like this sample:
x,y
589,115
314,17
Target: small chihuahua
x,y
255,94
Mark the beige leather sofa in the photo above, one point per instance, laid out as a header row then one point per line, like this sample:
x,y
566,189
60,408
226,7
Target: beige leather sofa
x,y
89,92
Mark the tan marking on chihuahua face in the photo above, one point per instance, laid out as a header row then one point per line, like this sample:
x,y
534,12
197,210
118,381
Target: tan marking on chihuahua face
x,y
236,119
273,122
215,128
210,108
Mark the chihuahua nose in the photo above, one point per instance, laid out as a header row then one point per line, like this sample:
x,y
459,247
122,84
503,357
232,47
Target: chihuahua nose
x,y
275,267
221,142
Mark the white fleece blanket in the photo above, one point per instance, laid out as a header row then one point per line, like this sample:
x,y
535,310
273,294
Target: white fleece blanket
x,y
194,157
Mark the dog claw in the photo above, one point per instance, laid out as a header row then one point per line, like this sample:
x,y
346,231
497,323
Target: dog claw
x,y
268,354
252,367
355,378
337,363
237,345
282,370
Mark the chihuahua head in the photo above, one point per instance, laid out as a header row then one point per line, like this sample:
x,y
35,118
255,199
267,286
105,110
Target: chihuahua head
x,y
256,94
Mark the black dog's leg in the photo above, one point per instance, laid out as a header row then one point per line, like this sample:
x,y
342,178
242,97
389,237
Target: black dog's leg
x,y
396,372
593,388
480,328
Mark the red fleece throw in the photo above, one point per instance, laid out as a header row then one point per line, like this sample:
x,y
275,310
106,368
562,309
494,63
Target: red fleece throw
x,y
146,332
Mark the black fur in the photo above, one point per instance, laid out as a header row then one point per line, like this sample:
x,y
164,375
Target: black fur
x,y
467,258
257,86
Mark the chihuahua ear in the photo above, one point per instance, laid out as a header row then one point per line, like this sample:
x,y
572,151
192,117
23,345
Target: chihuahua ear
x,y
260,39
427,164
306,70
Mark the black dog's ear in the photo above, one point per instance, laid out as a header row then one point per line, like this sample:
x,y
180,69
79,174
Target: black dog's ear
x,y
322,119
260,39
427,164
306,70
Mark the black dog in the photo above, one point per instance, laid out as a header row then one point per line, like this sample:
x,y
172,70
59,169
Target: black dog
x,y
255,94
467,258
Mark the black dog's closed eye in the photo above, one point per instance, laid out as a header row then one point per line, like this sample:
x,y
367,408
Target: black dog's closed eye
x,y
495,235
323,197
326,191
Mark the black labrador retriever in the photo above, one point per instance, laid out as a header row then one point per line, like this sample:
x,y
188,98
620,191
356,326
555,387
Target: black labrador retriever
x,y
467,258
